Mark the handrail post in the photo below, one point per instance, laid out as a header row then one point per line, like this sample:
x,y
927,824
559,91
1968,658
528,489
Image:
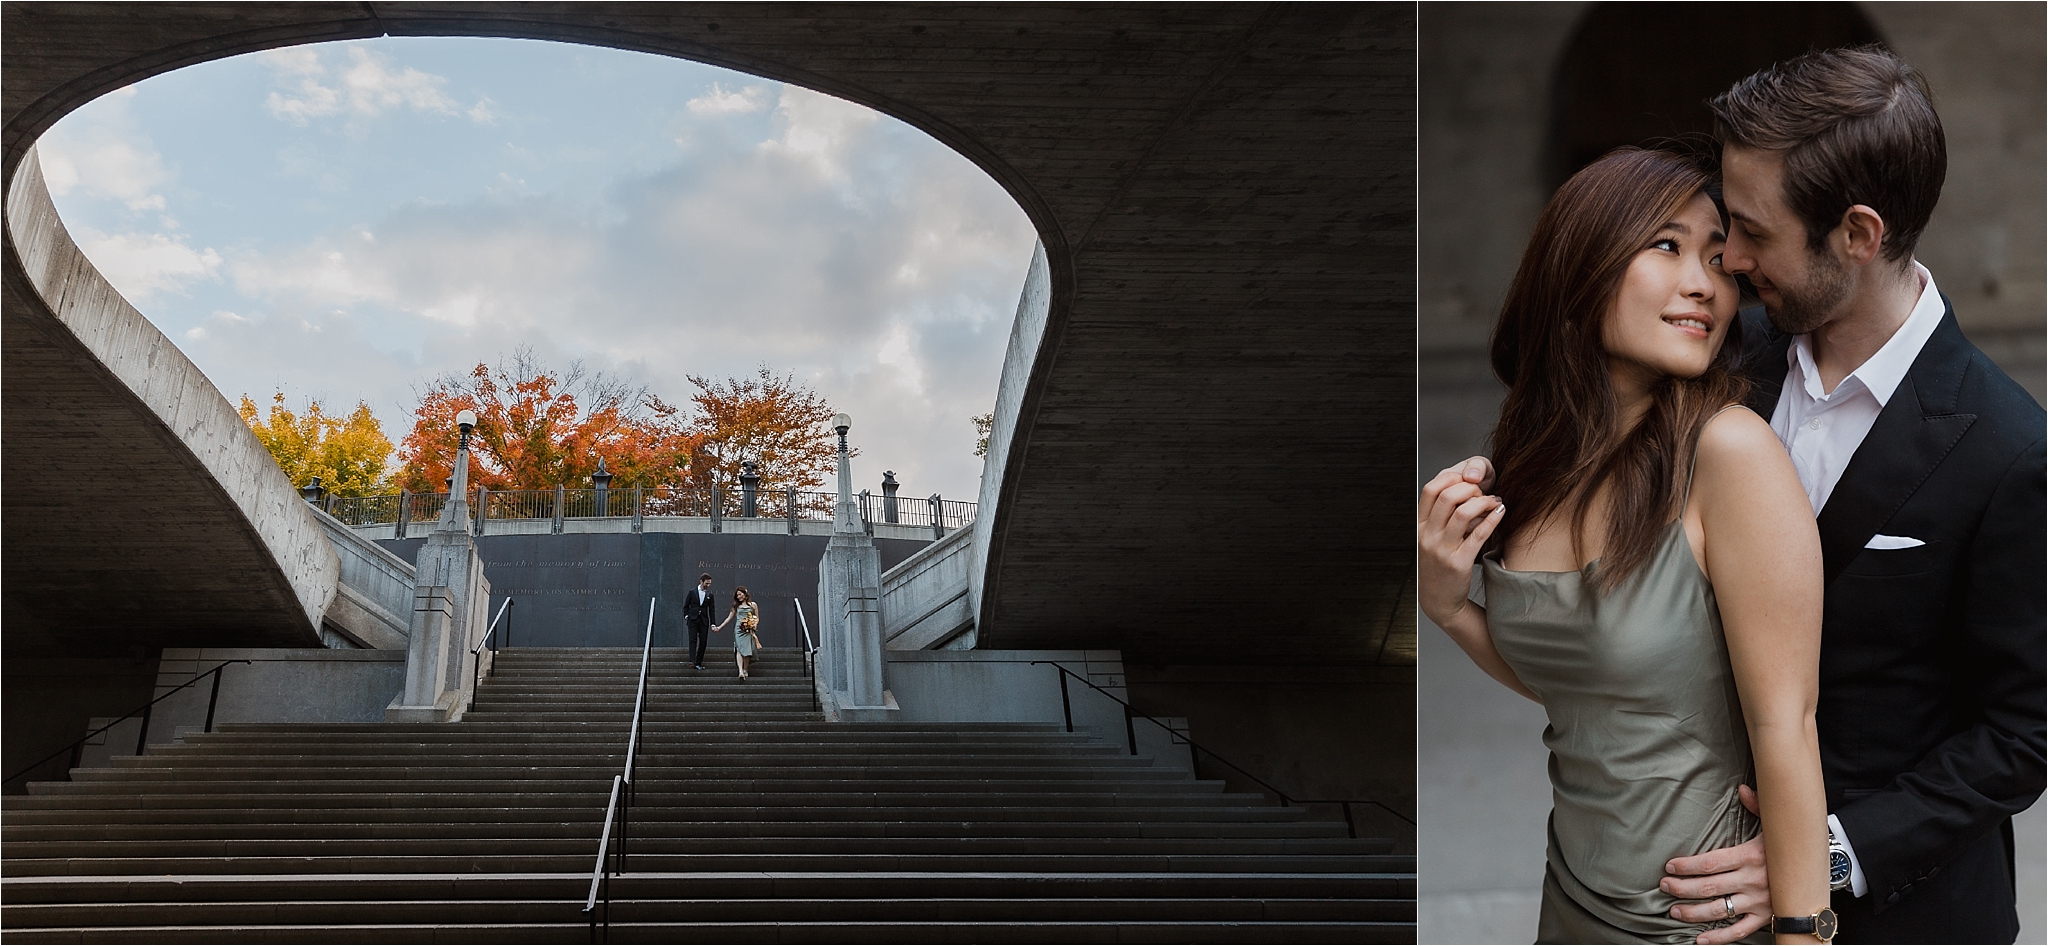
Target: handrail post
x,y
214,700
1065,707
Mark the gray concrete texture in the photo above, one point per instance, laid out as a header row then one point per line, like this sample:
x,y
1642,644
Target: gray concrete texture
x,y
140,510
1486,81
277,685
1022,686
591,589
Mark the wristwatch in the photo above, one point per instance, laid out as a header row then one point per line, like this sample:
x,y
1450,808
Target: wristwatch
x,y
1838,862
1821,925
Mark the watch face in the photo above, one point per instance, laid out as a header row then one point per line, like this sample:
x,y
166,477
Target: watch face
x,y
1824,923
1838,867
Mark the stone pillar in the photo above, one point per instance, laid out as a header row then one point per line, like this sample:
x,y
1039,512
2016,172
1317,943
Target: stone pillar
x,y
849,587
750,484
561,491
889,485
867,525
938,523
717,510
789,509
602,482
451,604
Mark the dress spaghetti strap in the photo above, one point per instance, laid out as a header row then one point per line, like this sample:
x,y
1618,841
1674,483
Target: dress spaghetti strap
x,y
1694,466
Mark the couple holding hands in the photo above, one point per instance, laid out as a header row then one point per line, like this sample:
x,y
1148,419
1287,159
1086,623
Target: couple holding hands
x,y
1775,575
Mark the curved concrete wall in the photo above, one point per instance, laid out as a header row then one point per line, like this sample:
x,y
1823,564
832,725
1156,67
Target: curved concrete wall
x,y
138,503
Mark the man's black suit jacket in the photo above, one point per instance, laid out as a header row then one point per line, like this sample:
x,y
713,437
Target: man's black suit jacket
x,y
699,615
1931,665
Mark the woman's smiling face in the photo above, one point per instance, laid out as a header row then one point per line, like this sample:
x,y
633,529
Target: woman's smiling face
x,y
1672,311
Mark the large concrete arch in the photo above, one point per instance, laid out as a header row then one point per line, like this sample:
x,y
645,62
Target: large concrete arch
x,y
139,509
1220,413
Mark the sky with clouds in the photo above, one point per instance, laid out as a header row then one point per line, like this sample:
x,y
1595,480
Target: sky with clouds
x,y
348,221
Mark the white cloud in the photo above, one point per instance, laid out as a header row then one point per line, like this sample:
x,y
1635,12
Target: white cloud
x,y
141,265
104,159
818,129
718,101
367,86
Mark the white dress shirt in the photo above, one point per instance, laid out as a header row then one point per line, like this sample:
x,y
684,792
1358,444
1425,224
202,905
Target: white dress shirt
x,y
1822,429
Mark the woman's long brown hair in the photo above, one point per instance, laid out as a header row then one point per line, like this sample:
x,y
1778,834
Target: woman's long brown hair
x,y
1559,440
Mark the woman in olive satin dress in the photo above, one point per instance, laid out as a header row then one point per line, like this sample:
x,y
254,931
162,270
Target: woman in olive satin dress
x,y
745,616
1652,573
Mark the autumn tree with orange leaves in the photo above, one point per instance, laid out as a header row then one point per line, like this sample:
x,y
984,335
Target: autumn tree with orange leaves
x,y
536,428
775,422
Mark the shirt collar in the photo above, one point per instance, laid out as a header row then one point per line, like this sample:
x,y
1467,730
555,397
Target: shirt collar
x,y
1883,372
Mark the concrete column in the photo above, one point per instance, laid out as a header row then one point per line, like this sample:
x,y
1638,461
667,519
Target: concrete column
x,y
561,491
451,602
750,484
867,524
849,579
602,482
938,525
889,485
483,507
717,520
404,513
789,509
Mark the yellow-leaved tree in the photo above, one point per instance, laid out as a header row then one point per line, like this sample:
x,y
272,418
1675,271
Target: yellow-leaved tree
x,y
348,453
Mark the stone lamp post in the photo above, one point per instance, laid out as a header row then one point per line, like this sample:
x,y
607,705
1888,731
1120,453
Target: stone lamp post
x,y
451,602
849,608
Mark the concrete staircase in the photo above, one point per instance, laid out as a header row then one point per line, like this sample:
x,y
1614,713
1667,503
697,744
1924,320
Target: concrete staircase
x,y
756,821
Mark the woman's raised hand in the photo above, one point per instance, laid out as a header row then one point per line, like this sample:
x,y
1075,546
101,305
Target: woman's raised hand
x,y
1453,520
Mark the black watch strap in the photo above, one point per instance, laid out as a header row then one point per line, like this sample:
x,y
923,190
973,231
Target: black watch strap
x,y
1822,924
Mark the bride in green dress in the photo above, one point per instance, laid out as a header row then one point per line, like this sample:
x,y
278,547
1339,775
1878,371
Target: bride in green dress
x,y
744,641
1649,567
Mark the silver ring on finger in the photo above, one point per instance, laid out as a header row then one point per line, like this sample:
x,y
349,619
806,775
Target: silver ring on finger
x,y
1728,904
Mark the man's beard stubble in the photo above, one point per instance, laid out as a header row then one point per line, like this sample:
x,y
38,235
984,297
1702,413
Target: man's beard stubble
x,y
1813,303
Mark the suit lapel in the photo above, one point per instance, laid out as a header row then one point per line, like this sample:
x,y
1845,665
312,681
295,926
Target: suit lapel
x,y
1763,361
1913,434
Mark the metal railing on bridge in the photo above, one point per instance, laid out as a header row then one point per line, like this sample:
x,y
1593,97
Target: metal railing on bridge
x,y
405,510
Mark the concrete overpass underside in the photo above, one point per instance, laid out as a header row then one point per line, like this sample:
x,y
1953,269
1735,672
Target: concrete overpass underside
x,y
1213,459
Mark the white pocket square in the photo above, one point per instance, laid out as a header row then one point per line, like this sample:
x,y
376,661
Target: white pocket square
x,y
1892,542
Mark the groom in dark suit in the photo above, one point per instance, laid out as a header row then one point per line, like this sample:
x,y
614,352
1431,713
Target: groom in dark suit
x,y
1924,464
698,605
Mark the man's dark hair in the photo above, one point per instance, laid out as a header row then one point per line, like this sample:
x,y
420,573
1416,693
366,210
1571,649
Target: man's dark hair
x,y
703,577
1854,126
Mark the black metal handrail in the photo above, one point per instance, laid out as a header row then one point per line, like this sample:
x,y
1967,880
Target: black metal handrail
x,y
141,740
1131,733
810,651
622,789
476,664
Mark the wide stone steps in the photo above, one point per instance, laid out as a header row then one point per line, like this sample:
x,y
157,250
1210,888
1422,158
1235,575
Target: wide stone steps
x,y
754,820
879,906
